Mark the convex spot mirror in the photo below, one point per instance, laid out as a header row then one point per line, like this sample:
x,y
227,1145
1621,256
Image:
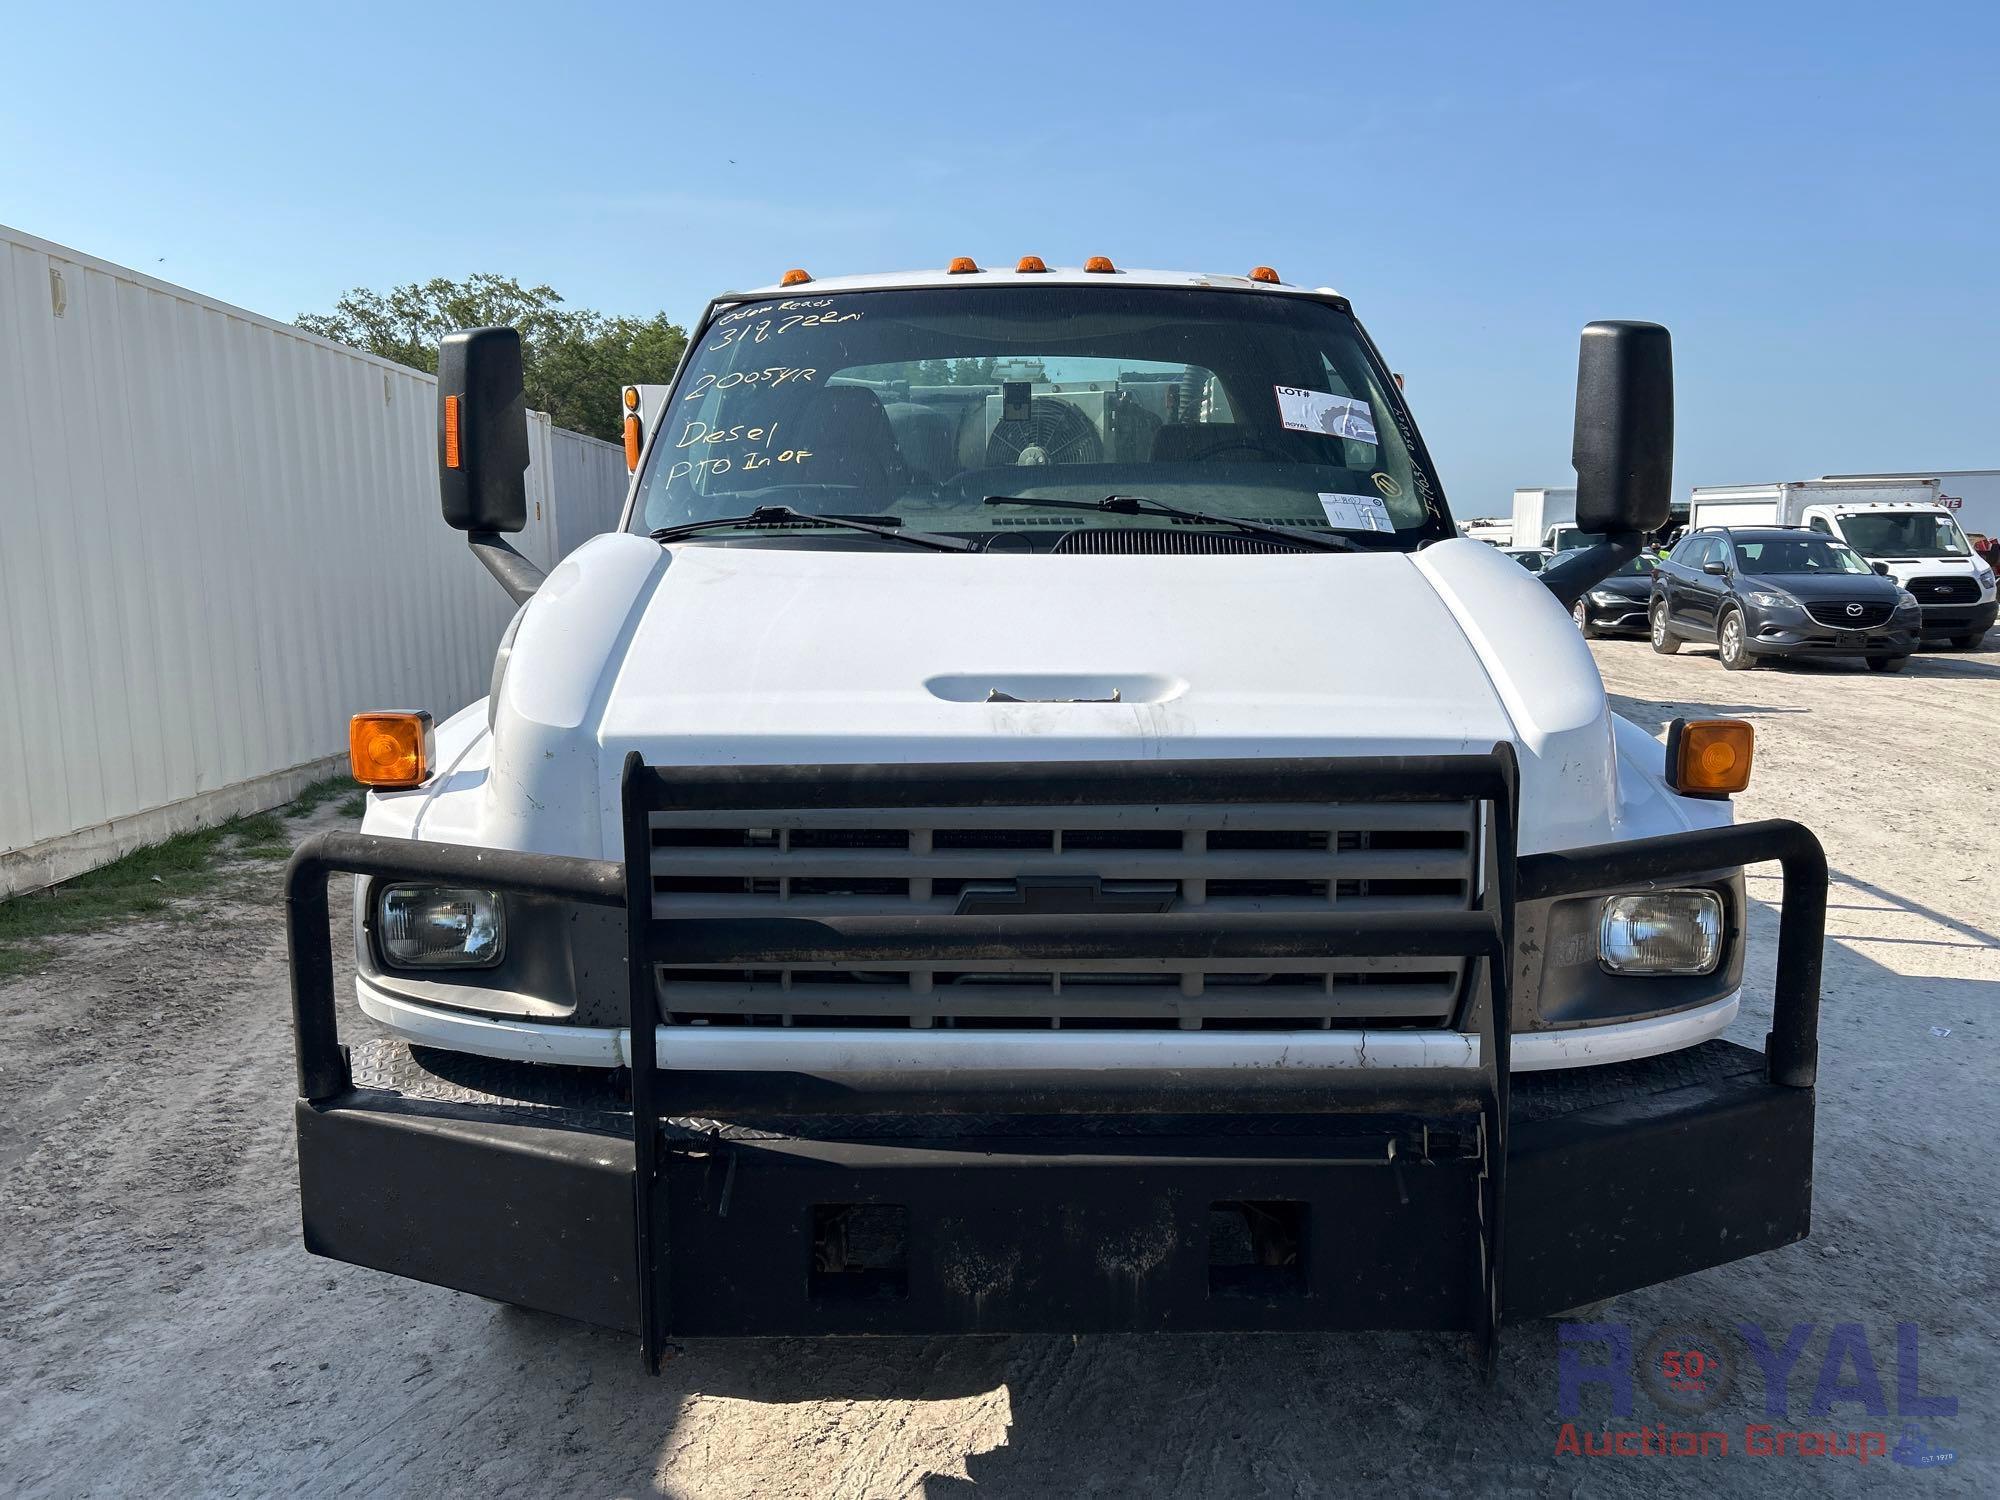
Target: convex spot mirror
x,y
482,430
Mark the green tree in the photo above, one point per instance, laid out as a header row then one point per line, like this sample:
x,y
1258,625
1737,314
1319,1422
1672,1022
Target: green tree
x,y
574,360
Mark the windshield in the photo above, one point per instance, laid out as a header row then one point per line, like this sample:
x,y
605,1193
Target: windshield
x,y
1908,533
918,404
1799,554
1639,567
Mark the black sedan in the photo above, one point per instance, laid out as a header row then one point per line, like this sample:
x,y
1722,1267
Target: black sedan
x,y
1617,605
1772,591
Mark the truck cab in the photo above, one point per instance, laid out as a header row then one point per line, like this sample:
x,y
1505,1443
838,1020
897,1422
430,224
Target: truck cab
x,y
1035,732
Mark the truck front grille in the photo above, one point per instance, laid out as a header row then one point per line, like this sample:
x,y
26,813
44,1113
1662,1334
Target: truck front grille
x,y
1945,588
1249,858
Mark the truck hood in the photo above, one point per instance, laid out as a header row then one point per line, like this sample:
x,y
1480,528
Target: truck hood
x,y
703,654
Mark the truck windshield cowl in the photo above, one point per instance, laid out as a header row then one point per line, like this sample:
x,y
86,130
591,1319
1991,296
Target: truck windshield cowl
x,y
1262,410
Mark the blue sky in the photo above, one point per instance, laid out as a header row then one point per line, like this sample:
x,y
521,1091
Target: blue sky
x,y
1808,195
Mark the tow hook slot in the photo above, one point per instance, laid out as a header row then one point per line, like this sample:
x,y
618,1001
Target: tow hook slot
x,y
1256,1249
860,1252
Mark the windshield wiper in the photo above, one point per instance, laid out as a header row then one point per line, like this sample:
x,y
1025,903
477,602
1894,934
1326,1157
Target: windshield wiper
x,y
766,515
1139,505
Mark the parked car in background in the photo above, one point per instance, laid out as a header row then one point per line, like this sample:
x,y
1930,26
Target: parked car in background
x,y
1780,591
1899,523
1617,605
1534,559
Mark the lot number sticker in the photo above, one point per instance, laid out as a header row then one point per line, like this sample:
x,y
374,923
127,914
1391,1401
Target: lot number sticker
x,y
1324,412
1356,512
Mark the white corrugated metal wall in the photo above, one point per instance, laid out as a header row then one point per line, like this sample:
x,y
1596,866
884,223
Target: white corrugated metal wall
x,y
219,537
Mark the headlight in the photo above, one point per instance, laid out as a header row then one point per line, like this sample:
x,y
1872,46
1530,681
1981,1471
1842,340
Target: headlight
x,y
1985,577
1605,597
1906,603
1661,932
442,927
1770,599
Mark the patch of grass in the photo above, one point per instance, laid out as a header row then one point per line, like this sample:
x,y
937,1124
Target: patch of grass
x,y
354,806
319,793
264,827
144,883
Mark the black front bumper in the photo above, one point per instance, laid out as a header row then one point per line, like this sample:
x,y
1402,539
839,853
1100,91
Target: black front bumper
x,y
711,1204
1617,1177
1960,619
1794,633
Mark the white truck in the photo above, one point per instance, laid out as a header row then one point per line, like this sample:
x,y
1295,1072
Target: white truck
x,y
1034,823
1542,514
1895,523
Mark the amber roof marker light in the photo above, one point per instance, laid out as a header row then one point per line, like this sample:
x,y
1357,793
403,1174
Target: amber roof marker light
x,y
1265,273
1709,757
1100,265
1030,265
794,277
962,265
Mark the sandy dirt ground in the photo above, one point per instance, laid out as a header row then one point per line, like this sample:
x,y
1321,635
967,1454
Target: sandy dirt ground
x,y
163,1333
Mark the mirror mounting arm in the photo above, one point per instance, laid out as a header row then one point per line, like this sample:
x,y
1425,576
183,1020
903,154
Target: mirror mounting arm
x,y
517,574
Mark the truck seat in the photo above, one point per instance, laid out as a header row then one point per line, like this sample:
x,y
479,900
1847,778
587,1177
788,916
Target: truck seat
x,y
925,438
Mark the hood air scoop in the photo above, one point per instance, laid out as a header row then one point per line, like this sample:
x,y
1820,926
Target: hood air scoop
x,y
1055,687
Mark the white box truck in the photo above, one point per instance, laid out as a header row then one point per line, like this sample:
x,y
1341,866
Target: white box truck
x,y
1896,523
1538,513
962,858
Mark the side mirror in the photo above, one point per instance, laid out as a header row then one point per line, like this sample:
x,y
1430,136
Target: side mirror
x,y
482,431
1624,445
1718,569
1883,569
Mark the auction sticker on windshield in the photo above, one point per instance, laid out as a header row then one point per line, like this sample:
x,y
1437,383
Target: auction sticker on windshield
x,y
1356,512
1324,412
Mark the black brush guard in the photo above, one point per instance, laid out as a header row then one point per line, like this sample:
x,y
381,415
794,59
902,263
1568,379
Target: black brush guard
x,y
712,1203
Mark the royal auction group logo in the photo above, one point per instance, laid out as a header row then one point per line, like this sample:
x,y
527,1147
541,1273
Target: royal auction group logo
x,y
1858,1406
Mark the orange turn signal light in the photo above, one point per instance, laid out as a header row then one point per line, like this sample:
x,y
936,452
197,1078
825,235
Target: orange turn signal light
x,y
631,398
1030,264
451,432
961,265
1100,264
391,749
632,436
1709,757
794,277
1263,273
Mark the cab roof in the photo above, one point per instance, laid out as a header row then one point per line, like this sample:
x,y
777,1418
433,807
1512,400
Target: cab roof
x,y
1057,275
